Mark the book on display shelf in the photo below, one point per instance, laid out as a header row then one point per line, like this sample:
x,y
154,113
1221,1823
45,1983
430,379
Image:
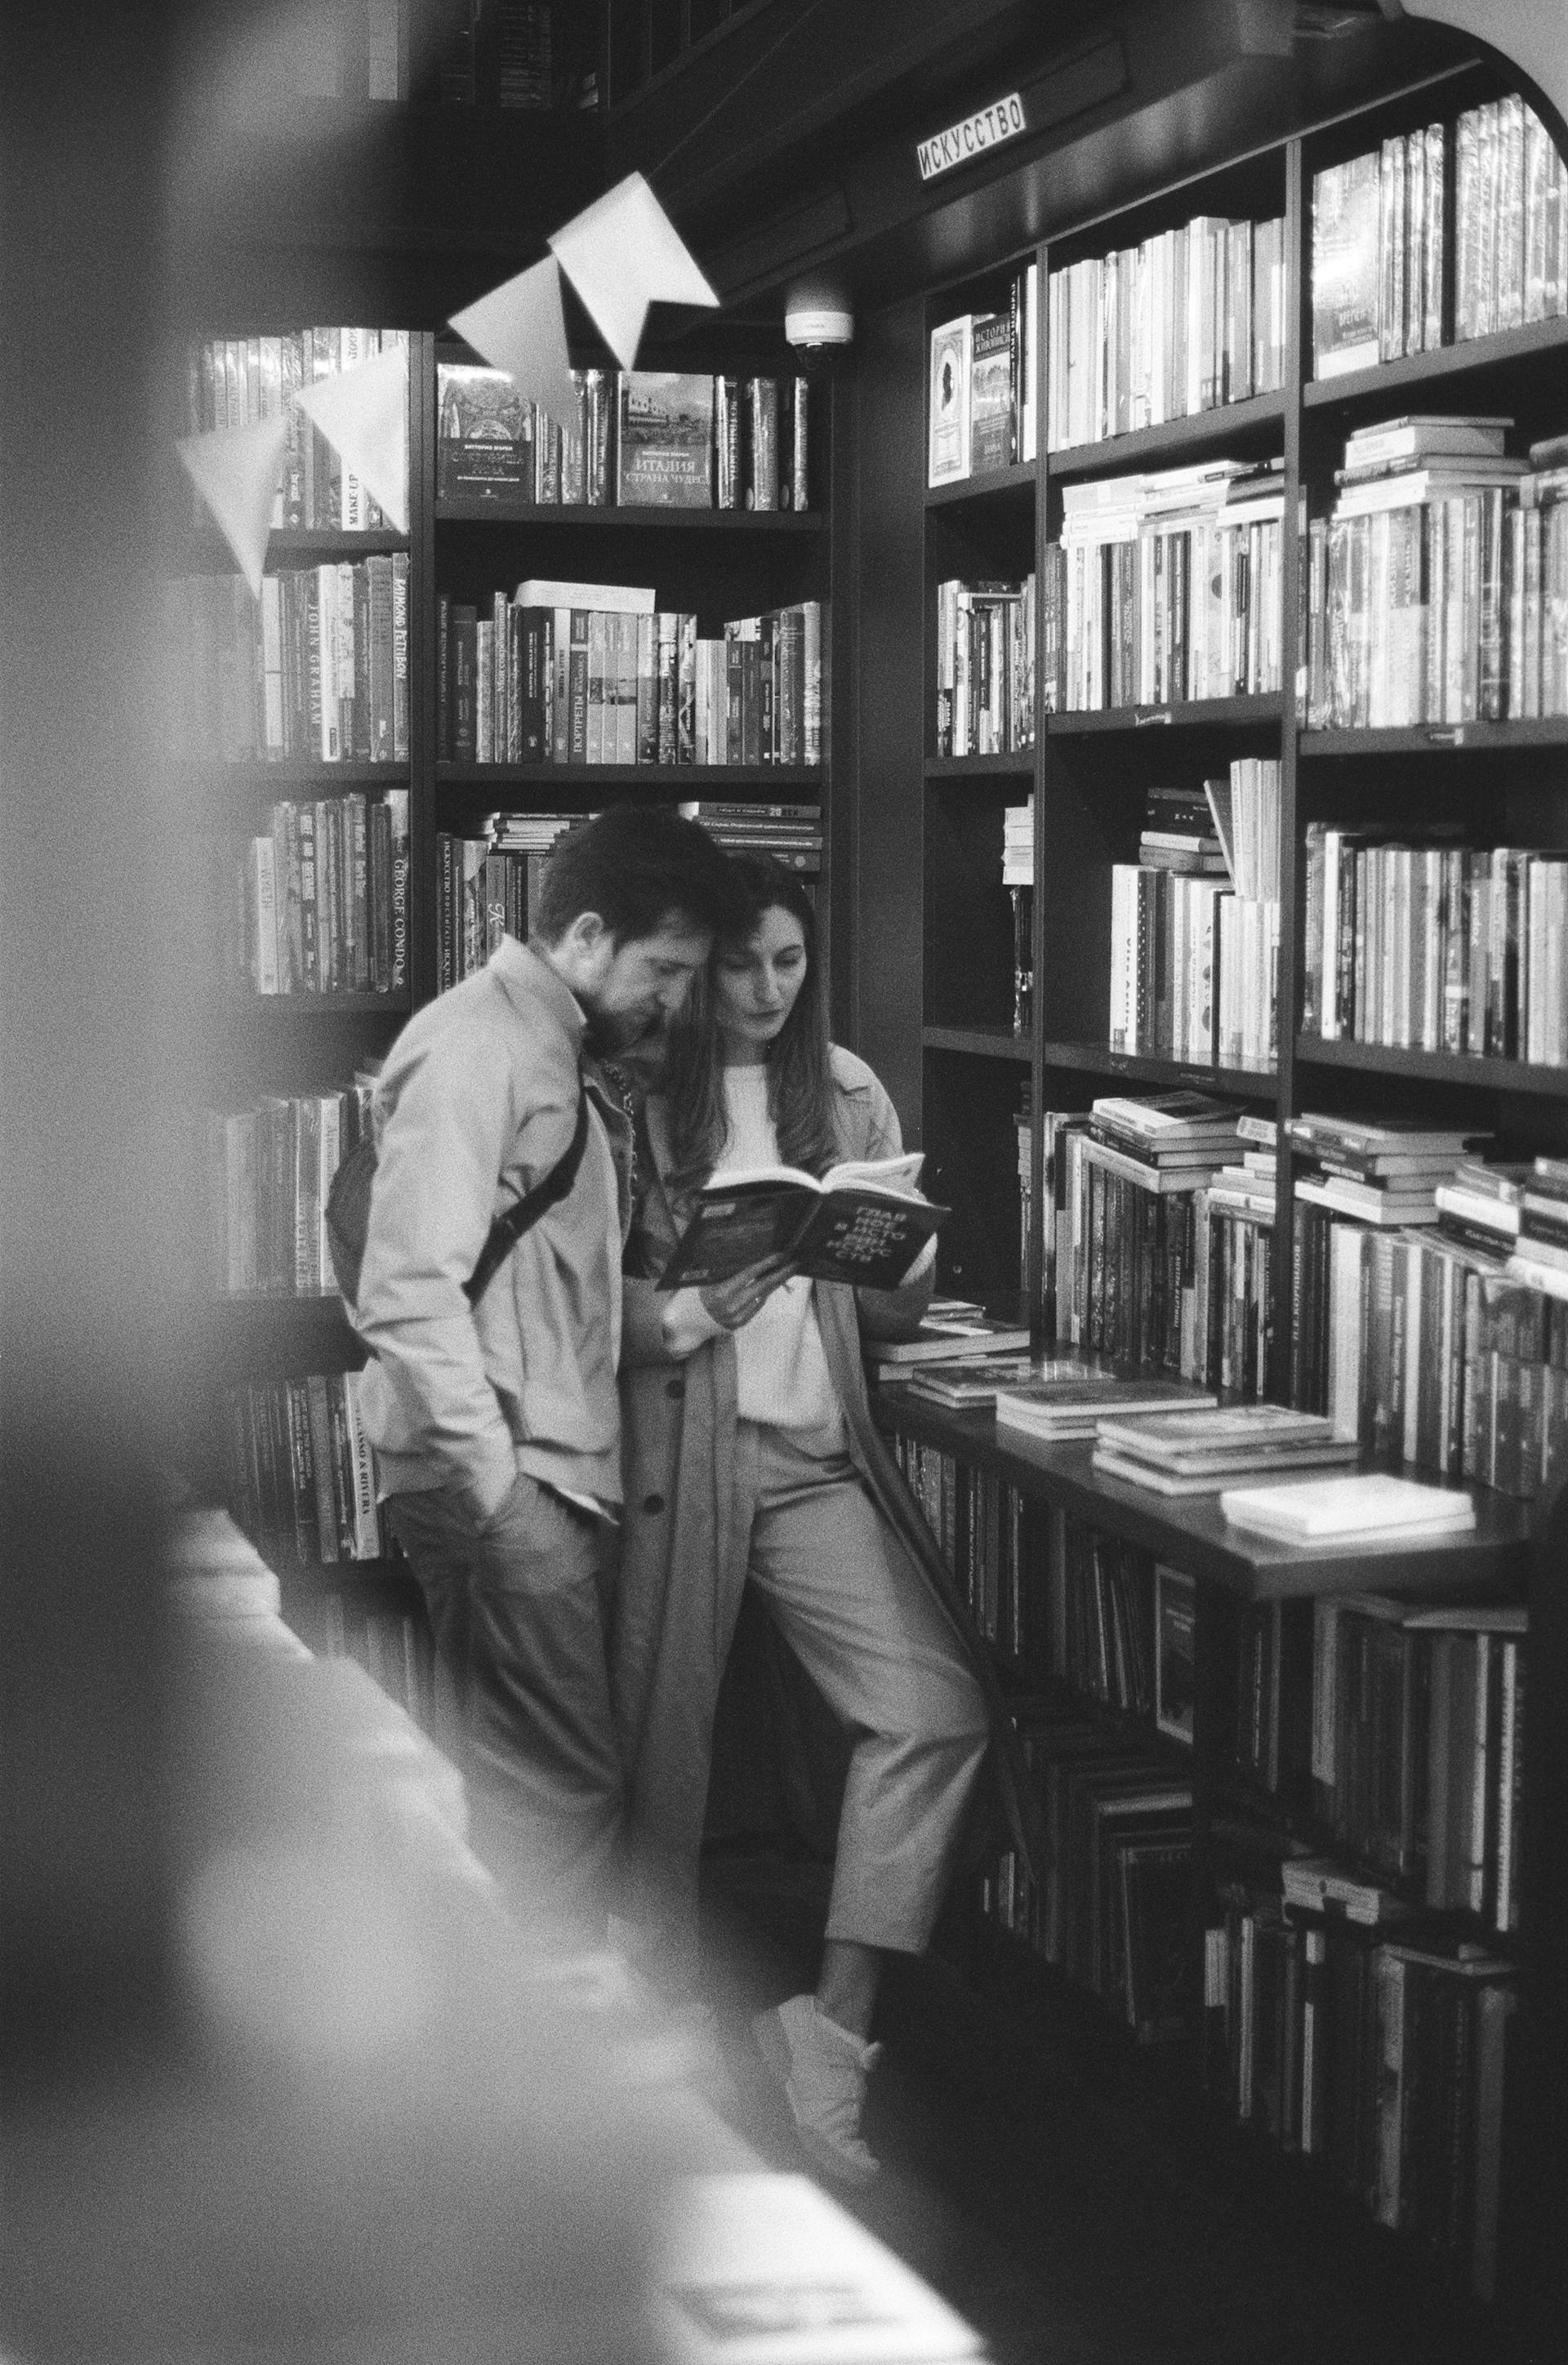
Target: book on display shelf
x,y
1075,1405
1183,1452
949,451
1368,1508
961,1387
950,1333
664,442
864,1221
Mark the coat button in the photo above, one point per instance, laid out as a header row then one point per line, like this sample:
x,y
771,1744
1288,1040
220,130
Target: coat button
x,y
675,1389
652,1502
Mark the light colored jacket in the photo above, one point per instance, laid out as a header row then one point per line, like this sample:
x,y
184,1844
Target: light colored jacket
x,y
476,1104
683,1561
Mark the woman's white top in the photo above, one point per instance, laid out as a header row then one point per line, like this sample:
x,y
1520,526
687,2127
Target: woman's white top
x,y
782,1370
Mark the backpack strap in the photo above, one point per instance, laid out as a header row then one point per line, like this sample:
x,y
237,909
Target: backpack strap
x,y
524,1213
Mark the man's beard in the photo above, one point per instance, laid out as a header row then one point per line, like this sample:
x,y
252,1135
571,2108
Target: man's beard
x,y
610,1032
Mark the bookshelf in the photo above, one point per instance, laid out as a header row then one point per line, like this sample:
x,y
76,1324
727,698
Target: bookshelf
x,y
943,931
716,564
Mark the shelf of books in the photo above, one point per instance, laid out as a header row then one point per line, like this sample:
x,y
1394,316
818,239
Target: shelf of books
x,y
1217,838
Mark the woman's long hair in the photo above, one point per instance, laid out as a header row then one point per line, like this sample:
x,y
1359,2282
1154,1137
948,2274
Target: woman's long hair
x,y
800,1080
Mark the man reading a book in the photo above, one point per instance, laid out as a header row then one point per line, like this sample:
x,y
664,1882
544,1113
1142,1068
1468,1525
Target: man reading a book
x,y
494,1415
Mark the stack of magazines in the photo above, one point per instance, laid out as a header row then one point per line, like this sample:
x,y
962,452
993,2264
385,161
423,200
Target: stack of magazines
x,y
1074,1402
1200,1453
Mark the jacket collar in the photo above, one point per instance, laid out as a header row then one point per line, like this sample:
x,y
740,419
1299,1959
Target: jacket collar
x,y
526,979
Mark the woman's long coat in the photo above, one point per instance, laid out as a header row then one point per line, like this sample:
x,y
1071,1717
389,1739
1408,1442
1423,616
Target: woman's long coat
x,y
683,1562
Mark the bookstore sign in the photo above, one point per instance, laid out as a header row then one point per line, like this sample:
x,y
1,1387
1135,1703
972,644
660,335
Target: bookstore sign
x,y
1002,120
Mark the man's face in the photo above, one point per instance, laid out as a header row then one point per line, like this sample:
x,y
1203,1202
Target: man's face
x,y
631,990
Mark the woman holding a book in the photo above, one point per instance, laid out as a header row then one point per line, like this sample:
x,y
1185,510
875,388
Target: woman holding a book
x,y
750,1452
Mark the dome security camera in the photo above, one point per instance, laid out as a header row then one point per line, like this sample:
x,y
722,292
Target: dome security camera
x,y
817,312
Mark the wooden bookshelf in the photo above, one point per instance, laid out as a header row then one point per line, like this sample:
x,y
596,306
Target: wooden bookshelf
x,y
979,1042
594,518
936,956
793,783
1454,1071
1191,1533
1257,421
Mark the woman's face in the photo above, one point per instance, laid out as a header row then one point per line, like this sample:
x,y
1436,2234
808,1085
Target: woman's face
x,y
755,985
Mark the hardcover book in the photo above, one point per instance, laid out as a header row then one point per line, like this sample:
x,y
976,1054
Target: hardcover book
x,y
865,1221
663,456
960,1336
949,455
484,445
1345,267
993,363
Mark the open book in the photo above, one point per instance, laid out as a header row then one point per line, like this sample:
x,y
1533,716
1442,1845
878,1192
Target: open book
x,y
866,1221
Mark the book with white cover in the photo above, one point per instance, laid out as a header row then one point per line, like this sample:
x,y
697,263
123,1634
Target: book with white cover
x,y
1370,1505
620,598
759,2269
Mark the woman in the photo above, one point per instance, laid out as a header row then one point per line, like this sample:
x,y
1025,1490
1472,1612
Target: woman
x,y
750,1451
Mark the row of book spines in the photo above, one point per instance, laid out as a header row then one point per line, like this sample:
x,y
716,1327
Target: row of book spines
x,y
267,1171
1437,949
597,685
1188,321
316,670
1417,1757
1385,2070
758,456
483,895
1100,1613
1120,1261
322,903
1188,613
235,382
1113,1901
984,1533
301,1472
1193,970
1446,610
985,668
1427,1360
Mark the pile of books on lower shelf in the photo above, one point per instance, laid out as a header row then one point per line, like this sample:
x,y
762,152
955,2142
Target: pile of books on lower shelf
x,y
1386,1173
957,1340
1114,1897
1380,2061
1072,1401
792,833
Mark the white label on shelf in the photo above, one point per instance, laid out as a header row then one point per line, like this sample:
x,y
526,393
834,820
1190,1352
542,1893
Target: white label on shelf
x,y
1003,119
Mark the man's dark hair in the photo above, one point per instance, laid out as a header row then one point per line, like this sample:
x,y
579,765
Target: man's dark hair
x,y
638,866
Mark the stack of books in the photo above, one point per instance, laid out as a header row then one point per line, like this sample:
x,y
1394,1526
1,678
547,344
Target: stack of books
x,y
1540,1258
792,833
1247,1186
955,1330
1165,587
1479,1205
1385,1174
1180,833
1075,1403
972,1387
1200,1453
1166,1134
1369,1507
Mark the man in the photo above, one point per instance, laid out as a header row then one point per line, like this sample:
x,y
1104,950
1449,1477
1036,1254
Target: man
x,y
497,1423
